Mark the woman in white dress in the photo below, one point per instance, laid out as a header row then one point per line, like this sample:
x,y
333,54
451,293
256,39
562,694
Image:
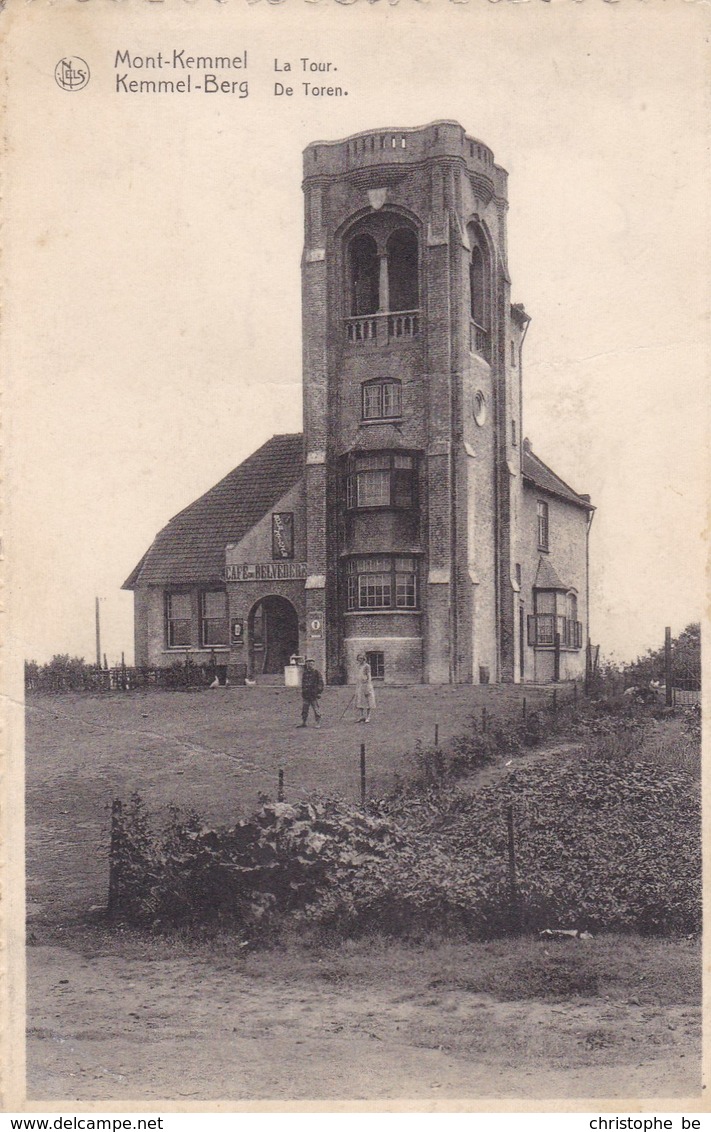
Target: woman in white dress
x,y
365,694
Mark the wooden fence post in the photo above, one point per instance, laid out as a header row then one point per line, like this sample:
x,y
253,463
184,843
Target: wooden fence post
x,y
362,773
668,674
115,858
436,736
280,787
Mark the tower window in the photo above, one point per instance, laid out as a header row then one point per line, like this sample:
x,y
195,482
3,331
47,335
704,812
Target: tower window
x,y
382,582
542,514
382,400
476,288
479,407
381,479
479,294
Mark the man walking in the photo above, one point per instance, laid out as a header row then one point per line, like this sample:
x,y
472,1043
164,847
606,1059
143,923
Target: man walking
x,y
311,689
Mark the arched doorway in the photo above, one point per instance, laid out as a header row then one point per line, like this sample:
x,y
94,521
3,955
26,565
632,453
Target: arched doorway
x,y
273,634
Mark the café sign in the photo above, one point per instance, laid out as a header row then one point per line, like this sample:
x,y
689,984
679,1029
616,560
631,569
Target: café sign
x,y
264,571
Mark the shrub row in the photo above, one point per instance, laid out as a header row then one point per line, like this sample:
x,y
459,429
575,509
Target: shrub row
x,y
601,844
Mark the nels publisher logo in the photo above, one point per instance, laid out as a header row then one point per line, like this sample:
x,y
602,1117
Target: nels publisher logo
x,y
72,73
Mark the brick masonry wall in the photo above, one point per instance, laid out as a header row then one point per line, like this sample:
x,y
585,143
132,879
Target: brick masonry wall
x,y
152,649
445,180
402,657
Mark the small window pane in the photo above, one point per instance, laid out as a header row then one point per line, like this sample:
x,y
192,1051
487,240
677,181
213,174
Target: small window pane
x,y
405,591
392,406
374,489
352,590
372,402
375,591
400,461
214,631
179,634
402,489
214,604
372,461
545,602
546,629
542,525
374,565
179,605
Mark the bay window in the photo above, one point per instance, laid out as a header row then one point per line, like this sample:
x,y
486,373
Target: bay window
x,y
386,581
380,479
555,620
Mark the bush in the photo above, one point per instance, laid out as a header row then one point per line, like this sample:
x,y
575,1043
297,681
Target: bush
x,y
274,863
602,843
471,751
685,658
63,673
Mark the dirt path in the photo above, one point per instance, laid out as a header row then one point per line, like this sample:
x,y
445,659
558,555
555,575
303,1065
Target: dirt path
x,y
189,1031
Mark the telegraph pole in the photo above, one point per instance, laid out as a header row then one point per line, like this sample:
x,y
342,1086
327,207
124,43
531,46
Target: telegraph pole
x,y
98,636
668,674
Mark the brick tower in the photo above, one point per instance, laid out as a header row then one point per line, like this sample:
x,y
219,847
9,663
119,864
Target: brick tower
x,y
412,408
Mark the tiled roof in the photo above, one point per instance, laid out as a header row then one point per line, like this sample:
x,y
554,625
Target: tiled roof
x,y
545,479
547,577
191,548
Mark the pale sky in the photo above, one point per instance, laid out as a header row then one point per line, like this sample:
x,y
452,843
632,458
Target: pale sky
x,y
152,316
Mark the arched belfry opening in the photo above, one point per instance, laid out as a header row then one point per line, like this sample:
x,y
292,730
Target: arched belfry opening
x,y
480,301
403,270
364,269
382,264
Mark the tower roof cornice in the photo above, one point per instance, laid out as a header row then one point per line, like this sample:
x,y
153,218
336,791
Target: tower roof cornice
x,y
391,152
